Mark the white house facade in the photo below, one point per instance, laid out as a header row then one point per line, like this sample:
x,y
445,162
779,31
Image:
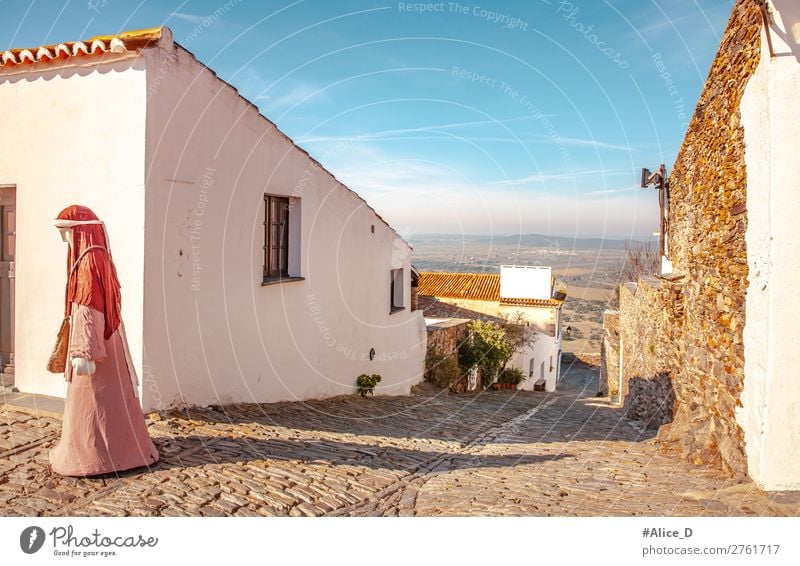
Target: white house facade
x,y
249,273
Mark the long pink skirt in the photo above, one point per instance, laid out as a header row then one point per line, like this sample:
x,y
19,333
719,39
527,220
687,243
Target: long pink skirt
x,y
103,429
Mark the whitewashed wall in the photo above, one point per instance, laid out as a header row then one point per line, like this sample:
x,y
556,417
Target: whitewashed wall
x,y
71,134
212,332
770,110
545,349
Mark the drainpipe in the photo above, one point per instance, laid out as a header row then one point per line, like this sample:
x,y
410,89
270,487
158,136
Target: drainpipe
x,y
764,8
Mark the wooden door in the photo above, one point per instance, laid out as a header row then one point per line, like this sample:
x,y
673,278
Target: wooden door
x,y
8,228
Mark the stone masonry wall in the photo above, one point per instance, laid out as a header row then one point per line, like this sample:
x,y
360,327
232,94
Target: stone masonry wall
x,y
649,323
445,340
702,311
609,354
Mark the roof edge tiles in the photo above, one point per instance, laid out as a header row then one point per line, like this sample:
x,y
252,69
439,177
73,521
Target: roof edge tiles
x,y
96,46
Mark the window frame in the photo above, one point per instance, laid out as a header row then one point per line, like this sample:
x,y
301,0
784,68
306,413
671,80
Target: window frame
x,y
396,297
282,272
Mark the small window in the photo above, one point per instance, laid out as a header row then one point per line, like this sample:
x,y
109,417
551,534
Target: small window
x,y
531,368
276,237
551,364
396,291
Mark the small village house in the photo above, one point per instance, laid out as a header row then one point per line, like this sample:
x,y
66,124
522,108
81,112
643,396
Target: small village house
x,y
518,293
249,273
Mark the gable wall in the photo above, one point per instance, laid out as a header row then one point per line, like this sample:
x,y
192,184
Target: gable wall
x,y
213,333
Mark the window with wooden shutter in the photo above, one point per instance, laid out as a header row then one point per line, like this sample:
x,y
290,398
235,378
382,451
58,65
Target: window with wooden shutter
x,y
276,237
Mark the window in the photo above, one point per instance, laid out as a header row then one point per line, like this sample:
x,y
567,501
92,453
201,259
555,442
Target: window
x,y
531,368
276,237
396,291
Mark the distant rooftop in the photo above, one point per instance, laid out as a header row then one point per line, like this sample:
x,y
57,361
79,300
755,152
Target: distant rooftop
x,y
476,287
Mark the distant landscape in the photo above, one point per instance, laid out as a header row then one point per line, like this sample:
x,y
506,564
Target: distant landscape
x,y
588,266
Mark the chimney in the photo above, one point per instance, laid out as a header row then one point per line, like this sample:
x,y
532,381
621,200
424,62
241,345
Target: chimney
x,y
525,282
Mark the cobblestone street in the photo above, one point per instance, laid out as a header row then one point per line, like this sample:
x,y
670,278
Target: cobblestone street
x,y
494,453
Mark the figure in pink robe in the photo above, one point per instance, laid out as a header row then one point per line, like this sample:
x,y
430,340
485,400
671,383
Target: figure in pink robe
x,y
103,429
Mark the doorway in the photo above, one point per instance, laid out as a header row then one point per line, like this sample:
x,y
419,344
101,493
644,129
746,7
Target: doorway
x,y
8,229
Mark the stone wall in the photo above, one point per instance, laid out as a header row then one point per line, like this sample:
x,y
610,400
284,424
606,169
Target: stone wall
x,y
609,354
688,332
445,340
649,324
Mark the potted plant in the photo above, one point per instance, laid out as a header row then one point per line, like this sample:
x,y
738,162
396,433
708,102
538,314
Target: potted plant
x,y
366,383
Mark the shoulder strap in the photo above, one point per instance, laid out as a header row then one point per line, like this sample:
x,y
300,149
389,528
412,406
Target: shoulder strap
x,y
83,253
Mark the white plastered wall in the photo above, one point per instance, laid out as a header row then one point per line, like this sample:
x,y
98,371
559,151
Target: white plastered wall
x,y
213,333
547,344
770,110
71,134
546,349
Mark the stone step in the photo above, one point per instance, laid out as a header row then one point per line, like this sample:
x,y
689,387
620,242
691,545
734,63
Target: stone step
x,y
7,379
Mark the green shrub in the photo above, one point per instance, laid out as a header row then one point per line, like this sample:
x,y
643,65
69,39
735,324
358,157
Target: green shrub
x,y
487,348
511,375
366,383
443,371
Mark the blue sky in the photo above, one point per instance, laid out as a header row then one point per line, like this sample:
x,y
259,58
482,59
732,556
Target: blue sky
x,y
454,117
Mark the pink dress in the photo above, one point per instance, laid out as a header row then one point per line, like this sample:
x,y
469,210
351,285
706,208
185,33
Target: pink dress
x,y
103,429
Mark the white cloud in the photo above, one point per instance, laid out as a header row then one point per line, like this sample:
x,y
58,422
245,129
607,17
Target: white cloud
x,y
543,177
441,132
294,96
194,19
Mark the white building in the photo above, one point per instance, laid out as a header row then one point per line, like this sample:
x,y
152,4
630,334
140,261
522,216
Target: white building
x,y
770,119
196,187
524,290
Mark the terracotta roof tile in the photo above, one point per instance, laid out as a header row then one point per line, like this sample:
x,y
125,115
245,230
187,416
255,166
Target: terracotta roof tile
x,y
98,45
533,302
474,287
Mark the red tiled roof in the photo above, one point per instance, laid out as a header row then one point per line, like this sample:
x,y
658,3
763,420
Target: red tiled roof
x,y
533,302
96,46
474,287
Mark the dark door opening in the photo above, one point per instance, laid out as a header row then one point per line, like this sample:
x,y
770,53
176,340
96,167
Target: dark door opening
x,y
8,229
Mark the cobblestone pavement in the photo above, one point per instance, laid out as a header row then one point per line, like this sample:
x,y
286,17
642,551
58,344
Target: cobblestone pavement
x,y
495,453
